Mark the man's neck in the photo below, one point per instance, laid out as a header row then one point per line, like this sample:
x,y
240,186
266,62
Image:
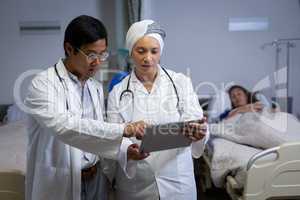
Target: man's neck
x,y
70,68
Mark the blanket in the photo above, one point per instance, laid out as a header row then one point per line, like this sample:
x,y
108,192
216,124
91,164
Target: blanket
x,y
236,140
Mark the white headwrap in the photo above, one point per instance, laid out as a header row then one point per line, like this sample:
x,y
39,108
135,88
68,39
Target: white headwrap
x,y
141,29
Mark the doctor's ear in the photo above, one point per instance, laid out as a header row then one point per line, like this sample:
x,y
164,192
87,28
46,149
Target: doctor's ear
x,y
69,50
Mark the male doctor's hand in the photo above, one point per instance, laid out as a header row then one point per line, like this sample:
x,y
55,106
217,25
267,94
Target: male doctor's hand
x,y
135,129
196,130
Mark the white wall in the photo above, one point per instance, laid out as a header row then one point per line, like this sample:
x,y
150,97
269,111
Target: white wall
x,y
19,53
198,38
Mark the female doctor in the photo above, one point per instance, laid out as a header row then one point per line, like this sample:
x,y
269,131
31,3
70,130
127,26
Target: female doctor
x,y
155,95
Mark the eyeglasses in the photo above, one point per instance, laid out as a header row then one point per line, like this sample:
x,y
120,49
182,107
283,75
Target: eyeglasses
x,y
93,56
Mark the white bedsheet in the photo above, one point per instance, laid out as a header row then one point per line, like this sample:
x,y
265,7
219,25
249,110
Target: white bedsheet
x,y
236,140
13,143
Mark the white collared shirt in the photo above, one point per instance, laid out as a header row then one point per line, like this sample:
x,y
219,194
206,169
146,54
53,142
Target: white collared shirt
x,y
88,112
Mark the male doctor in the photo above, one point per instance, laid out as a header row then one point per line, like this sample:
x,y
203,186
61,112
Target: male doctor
x,y
66,127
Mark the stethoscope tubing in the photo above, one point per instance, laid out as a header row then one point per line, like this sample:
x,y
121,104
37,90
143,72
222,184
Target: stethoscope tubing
x,y
61,80
127,90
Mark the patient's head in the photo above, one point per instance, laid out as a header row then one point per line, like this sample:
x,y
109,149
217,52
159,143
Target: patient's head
x,y
240,96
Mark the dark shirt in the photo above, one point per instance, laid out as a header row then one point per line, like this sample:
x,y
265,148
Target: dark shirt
x,y
224,114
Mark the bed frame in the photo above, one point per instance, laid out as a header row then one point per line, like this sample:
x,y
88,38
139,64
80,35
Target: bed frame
x,y
279,178
274,179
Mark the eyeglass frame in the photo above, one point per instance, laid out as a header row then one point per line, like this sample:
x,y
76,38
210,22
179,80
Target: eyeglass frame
x,y
93,56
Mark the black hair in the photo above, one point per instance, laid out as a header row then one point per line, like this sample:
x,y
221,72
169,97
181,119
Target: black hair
x,y
84,30
251,97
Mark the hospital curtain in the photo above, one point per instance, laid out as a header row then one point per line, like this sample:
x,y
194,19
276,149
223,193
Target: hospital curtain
x,y
134,11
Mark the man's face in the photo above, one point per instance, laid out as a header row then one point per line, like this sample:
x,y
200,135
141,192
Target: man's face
x,y
86,61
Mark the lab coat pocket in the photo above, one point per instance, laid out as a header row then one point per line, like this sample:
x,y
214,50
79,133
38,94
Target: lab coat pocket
x,y
51,183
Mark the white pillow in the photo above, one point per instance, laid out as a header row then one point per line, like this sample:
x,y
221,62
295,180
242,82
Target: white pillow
x,y
264,100
219,104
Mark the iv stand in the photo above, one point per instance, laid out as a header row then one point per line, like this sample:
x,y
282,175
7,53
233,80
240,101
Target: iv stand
x,y
277,43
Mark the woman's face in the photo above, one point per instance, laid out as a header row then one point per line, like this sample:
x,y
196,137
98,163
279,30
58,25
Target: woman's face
x,y
238,97
146,54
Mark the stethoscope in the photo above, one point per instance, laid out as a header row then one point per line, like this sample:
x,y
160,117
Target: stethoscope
x,y
66,90
129,91
63,85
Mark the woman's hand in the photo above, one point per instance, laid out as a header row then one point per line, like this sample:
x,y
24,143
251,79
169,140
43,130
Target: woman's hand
x,y
255,107
196,130
252,107
133,153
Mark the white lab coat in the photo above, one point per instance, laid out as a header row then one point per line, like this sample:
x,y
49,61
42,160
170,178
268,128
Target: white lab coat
x,y
166,174
53,166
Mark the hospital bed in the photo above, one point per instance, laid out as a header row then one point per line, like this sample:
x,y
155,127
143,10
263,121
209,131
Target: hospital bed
x,y
267,174
13,142
266,179
279,178
274,172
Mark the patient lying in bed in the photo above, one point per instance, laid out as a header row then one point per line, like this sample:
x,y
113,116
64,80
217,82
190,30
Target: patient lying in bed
x,y
236,140
244,133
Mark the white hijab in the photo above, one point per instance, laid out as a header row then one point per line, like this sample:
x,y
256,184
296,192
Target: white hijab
x,y
142,28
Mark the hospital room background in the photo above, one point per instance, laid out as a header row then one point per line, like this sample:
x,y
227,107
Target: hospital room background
x,y
218,43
